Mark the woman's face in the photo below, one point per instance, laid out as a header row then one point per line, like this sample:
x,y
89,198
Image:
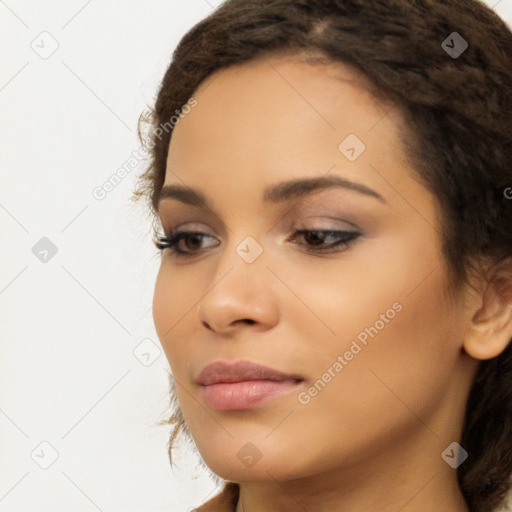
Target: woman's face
x,y
367,335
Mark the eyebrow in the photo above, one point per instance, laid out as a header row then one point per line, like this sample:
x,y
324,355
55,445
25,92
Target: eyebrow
x,y
280,192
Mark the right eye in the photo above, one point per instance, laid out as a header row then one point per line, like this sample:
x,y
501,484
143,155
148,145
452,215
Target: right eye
x,y
172,243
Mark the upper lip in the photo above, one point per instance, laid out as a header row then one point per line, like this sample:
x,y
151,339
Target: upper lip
x,y
241,371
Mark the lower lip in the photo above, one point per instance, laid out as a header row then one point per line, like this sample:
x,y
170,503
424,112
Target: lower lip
x,y
245,395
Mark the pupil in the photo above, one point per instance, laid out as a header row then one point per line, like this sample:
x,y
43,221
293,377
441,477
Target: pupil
x,y
194,238
313,237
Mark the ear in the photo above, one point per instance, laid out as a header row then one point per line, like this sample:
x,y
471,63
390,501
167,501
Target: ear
x,y
490,329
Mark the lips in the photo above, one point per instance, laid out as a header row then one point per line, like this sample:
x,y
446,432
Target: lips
x,y
241,371
243,385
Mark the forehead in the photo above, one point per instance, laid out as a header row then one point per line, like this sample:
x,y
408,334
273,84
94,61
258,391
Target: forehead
x,y
288,88
278,117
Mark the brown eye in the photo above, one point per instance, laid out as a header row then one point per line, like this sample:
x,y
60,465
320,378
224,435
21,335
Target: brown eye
x,y
192,244
316,240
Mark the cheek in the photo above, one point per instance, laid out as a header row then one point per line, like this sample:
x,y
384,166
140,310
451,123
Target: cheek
x,y
401,357
390,385
173,297
394,326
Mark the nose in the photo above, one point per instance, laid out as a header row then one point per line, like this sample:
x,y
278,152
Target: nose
x,y
240,294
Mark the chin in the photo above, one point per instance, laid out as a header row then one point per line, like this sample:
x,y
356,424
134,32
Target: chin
x,y
245,464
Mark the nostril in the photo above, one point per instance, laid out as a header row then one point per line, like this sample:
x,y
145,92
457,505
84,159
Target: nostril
x,y
247,320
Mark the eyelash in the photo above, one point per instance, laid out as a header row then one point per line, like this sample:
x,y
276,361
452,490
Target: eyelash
x,y
171,242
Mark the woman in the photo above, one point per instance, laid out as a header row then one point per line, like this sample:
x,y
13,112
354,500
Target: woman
x,y
330,181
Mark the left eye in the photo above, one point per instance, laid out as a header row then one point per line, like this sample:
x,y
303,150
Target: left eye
x,y
315,241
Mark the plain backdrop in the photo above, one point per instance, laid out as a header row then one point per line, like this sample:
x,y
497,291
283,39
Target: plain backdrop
x,y
83,380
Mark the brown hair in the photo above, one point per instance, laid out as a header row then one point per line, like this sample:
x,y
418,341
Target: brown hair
x,y
458,114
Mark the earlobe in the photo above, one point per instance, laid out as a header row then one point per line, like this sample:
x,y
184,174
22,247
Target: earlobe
x,y
490,329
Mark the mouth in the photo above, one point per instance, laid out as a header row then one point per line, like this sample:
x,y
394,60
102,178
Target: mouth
x,y
243,385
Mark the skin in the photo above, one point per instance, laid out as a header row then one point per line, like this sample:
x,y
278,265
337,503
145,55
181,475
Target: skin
x,y
372,438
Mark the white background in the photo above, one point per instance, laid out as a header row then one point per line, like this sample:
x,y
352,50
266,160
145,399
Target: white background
x,y
69,326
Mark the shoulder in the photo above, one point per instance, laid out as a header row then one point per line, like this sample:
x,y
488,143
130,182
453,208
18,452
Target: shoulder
x,y
225,501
